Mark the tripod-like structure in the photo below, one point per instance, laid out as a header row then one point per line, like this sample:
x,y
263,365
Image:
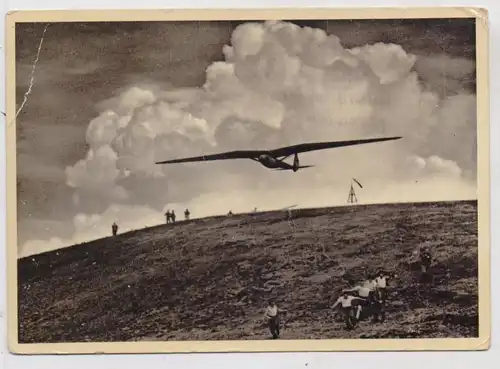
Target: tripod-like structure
x,y
352,198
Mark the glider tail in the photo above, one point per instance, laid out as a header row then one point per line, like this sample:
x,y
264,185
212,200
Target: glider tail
x,y
297,168
296,163
305,166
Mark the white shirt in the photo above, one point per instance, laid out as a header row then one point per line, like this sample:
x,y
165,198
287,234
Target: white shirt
x,y
362,291
271,311
347,301
381,282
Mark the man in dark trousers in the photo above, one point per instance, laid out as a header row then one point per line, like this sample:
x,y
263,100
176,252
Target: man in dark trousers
x,y
172,216
425,259
186,214
425,262
381,283
114,228
167,216
272,316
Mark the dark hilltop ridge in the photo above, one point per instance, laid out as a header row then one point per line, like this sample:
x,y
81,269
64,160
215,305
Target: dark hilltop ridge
x,y
208,279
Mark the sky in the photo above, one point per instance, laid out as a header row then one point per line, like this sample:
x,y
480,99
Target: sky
x,y
111,98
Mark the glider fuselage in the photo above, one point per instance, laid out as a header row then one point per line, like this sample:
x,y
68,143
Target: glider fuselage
x,y
271,162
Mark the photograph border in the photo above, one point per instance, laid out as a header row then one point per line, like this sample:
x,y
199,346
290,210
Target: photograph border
x,y
482,342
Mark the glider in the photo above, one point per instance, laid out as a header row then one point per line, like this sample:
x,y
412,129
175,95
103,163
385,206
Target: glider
x,y
275,159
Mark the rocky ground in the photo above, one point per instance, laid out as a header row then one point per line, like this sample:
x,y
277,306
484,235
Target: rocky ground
x,y
208,279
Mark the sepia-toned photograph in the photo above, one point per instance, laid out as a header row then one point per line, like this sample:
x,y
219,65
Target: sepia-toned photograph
x,y
258,180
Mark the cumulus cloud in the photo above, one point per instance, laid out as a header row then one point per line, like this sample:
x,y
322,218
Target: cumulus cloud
x,y
433,166
280,84
388,61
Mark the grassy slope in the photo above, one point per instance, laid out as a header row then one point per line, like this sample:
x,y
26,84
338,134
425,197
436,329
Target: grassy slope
x,y
209,278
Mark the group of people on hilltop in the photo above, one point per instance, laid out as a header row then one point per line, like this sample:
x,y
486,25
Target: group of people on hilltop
x,y
370,295
170,216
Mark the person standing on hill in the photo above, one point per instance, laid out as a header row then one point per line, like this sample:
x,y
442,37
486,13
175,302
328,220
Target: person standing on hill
x,y
425,259
172,216
167,216
272,315
381,283
114,229
186,214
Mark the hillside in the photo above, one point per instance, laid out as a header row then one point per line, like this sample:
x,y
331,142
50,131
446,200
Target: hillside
x,y
209,278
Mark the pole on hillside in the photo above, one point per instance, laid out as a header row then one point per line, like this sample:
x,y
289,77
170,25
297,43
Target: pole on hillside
x,y
352,198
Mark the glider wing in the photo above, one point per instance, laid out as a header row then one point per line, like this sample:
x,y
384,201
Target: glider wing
x,y
305,147
222,156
